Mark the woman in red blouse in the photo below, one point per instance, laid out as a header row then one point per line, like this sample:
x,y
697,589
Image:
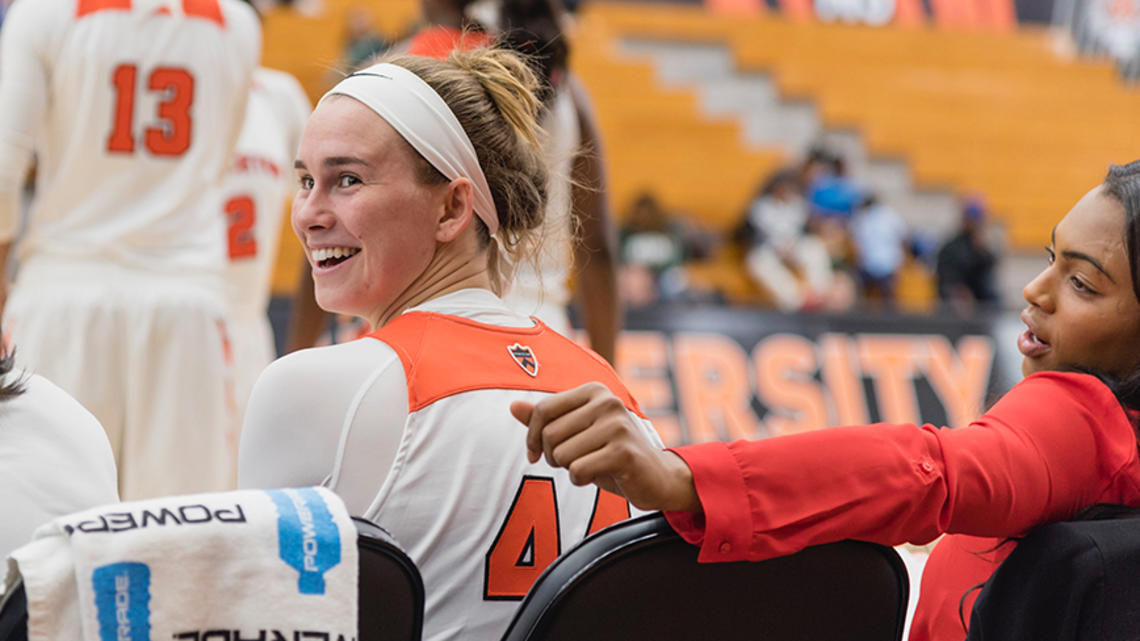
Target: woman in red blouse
x,y
1058,442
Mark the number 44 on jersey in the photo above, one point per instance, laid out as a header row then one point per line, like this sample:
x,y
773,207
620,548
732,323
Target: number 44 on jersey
x,y
529,539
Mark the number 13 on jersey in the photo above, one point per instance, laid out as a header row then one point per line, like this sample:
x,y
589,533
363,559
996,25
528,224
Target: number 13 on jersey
x,y
169,135
529,539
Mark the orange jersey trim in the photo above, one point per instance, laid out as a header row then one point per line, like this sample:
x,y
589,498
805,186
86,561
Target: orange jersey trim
x,y
445,355
206,9
439,42
85,7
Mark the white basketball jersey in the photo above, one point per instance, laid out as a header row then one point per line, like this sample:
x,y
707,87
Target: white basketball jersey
x,y
140,104
255,191
480,521
547,293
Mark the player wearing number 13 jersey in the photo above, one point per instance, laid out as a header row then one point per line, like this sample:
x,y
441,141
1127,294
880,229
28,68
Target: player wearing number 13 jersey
x,y
131,109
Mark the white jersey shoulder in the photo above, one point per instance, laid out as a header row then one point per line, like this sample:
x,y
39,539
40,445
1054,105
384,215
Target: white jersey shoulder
x,y
481,522
54,459
131,108
546,293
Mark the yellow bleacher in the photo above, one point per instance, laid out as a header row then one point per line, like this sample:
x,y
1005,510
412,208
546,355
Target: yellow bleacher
x,y
309,47
997,113
655,139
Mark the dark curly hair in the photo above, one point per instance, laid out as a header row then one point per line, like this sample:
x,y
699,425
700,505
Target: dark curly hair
x,y
11,385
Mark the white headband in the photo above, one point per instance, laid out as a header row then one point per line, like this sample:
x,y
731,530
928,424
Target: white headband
x,y
418,114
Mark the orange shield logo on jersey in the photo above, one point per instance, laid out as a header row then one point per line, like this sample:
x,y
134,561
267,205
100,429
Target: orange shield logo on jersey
x,y
524,356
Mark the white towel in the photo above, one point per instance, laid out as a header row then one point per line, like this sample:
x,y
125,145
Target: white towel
x,y
248,565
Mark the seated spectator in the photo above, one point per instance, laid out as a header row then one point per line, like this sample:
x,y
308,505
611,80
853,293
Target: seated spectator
x,y
967,264
916,289
55,458
363,42
879,236
831,192
792,265
832,198
652,250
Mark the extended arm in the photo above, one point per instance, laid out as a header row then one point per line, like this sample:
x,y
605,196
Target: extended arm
x,y
595,249
1053,445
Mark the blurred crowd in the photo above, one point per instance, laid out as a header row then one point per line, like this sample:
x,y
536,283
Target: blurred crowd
x,y
812,238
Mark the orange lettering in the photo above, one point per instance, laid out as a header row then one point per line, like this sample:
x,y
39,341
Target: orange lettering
x,y
908,13
785,365
121,140
890,361
172,138
643,365
954,13
241,216
843,382
207,9
959,380
998,15
712,380
737,7
85,7
172,135
609,508
995,15
527,542
798,9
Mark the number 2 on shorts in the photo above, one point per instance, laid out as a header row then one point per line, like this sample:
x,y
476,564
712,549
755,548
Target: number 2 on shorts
x,y
241,216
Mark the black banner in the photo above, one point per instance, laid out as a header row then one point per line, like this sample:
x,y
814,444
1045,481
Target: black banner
x,y
723,374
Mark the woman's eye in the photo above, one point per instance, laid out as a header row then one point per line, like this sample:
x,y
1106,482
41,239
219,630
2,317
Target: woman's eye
x,y
347,181
1080,285
306,182
1049,255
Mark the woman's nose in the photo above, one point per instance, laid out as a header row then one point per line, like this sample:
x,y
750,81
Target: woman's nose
x,y
1038,291
311,213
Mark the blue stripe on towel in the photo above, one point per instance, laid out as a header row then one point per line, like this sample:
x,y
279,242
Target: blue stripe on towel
x,y
308,538
122,598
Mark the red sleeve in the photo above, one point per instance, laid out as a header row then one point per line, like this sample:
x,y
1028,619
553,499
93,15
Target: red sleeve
x,y
1056,443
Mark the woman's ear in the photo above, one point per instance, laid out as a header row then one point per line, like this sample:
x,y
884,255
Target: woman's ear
x,y
458,210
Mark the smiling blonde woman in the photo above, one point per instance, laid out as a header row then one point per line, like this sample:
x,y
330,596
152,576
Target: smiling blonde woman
x,y
420,185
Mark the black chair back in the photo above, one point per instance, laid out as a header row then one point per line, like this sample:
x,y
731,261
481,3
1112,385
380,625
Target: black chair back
x,y
639,580
391,593
391,588
14,616
1071,581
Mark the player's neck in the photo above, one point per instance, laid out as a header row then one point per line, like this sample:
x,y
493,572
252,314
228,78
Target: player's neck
x,y
447,273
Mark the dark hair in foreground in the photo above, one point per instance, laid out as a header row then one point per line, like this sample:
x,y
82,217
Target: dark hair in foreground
x,y
11,385
534,29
